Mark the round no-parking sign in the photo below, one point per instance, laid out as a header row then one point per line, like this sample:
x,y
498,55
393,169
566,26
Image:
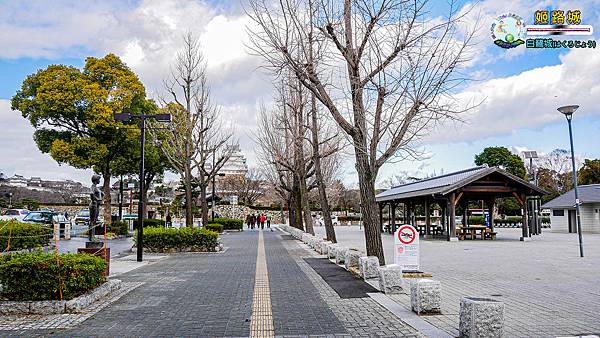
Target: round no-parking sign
x,y
406,234
406,248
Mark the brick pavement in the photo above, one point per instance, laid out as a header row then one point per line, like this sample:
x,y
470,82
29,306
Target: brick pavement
x,y
211,295
547,288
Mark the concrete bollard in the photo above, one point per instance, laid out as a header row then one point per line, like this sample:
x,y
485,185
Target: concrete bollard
x,y
323,247
390,278
368,266
351,258
481,317
332,250
340,255
425,295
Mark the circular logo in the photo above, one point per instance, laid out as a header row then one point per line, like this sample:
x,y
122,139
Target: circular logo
x,y
508,31
406,234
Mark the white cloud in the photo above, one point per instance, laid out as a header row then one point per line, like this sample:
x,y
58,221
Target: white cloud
x,y
20,154
527,100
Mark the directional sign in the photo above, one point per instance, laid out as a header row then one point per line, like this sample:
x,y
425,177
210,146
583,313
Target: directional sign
x,y
406,248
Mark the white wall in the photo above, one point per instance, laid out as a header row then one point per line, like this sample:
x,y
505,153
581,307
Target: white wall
x,y
560,223
590,219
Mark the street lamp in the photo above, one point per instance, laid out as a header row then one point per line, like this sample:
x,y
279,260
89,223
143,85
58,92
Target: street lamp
x,y
142,117
568,112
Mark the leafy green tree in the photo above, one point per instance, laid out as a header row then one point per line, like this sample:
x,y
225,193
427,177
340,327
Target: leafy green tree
x,y
503,158
27,203
72,112
590,172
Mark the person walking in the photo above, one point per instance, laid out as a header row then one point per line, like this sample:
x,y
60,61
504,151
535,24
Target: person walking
x,y
269,222
169,220
262,221
248,221
253,220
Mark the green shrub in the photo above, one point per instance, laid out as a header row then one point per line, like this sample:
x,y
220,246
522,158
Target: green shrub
x,y
476,220
150,222
24,235
38,276
545,220
119,228
184,239
230,223
214,227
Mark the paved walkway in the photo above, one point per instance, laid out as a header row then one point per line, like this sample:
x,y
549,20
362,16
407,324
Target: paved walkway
x,y
548,290
259,286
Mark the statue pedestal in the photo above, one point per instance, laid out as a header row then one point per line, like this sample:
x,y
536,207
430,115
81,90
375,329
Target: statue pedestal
x,y
97,249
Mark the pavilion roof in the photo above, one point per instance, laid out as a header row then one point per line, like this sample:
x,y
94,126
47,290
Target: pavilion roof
x,y
444,184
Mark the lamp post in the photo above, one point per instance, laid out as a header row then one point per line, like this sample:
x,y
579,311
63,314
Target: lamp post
x,y
142,117
537,229
568,112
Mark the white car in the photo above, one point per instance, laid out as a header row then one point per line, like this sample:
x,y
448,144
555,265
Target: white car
x,y
17,214
321,222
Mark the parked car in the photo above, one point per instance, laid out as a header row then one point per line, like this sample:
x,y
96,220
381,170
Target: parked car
x,y
49,218
17,214
321,222
82,217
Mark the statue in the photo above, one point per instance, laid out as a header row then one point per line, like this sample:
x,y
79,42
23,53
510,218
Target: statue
x,y
96,197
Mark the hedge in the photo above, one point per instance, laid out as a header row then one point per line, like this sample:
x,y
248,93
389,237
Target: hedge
x,y
37,276
24,235
150,222
230,223
119,228
183,239
214,227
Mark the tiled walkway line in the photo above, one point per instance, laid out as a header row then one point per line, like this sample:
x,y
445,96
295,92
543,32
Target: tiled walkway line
x,y
262,317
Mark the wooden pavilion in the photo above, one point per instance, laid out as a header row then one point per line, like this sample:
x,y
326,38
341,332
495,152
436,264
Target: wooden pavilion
x,y
458,189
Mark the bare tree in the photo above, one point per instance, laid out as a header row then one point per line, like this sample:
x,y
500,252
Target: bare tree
x,y
248,188
196,144
396,74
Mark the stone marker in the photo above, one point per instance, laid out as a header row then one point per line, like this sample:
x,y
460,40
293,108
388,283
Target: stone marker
x,y
390,278
425,295
351,258
332,250
481,317
368,266
340,255
323,247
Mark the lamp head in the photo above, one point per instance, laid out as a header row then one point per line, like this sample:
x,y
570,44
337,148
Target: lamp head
x,y
122,117
163,117
568,110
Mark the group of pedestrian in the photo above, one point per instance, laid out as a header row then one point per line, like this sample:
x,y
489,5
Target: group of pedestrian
x,y
258,220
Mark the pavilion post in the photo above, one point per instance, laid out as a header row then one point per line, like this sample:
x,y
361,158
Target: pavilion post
x,y
381,217
393,217
452,211
465,215
492,205
525,221
427,219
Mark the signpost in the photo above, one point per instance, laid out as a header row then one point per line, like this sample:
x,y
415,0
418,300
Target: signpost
x,y
406,248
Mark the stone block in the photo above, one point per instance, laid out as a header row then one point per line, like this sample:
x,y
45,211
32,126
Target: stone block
x,y
340,255
332,250
323,247
390,278
369,266
351,258
11,308
481,317
306,238
425,295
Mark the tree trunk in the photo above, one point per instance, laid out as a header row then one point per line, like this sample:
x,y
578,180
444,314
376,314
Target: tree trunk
x,y
366,181
305,207
189,216
106,201
329,230
204,203
292,212
297,198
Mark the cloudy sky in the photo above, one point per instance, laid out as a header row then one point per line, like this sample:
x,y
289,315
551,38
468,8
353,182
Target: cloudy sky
x,y
520,88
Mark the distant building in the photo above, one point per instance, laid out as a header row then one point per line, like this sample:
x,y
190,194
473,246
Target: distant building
x,y
236,164
562,216
16,181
